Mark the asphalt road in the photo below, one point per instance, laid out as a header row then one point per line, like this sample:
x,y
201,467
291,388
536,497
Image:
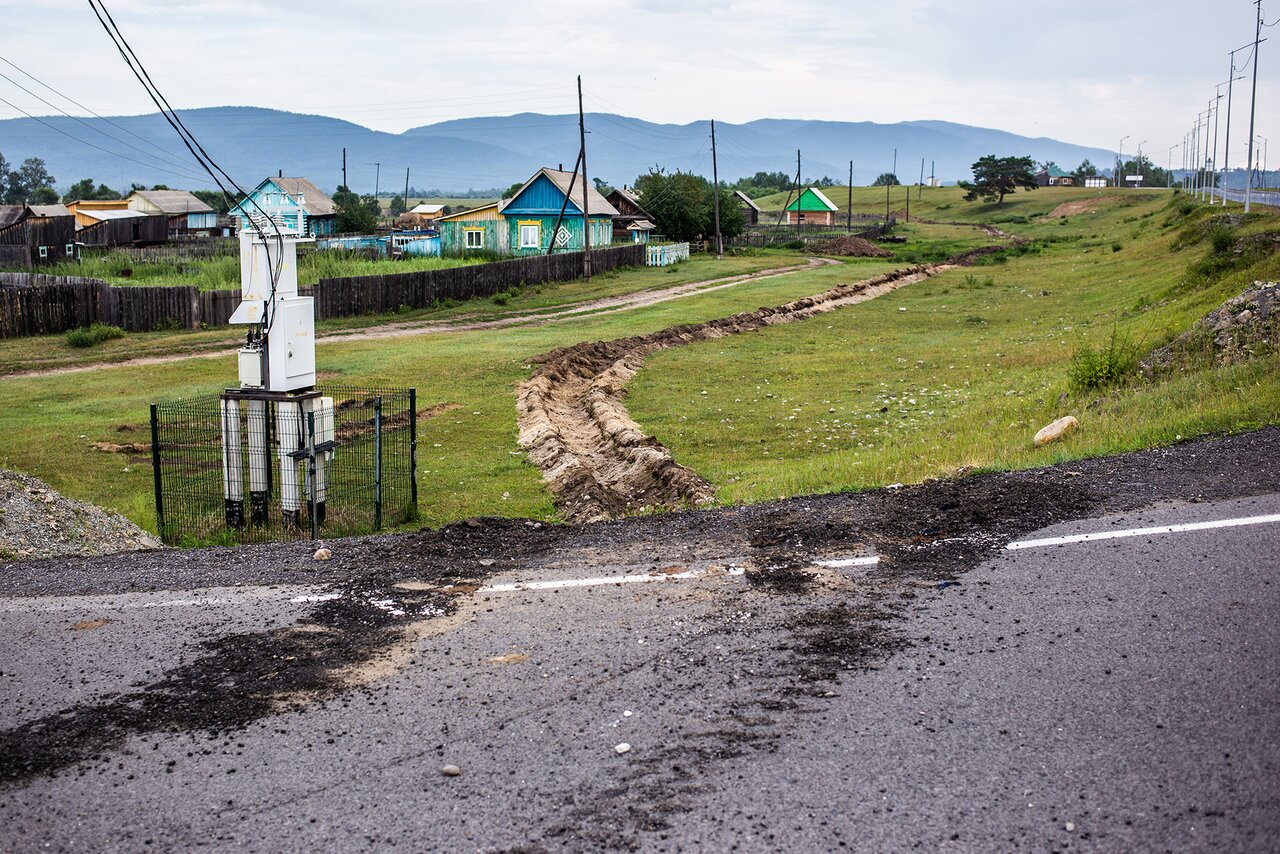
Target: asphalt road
x,y
1119,694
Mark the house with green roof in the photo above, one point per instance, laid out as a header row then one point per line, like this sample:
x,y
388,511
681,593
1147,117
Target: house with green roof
x,y
1052,176
811,208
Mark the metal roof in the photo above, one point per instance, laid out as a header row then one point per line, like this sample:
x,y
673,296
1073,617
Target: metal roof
x,y
427,209
746,199
812,193
596,202
470,212
117,214
314,201
641,225
9,214
173,201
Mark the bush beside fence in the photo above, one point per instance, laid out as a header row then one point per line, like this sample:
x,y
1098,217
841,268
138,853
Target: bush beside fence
x,y
38,304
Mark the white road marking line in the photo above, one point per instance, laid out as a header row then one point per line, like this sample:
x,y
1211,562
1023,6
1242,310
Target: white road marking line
x,y
838,563
601,581
208,597
1145,532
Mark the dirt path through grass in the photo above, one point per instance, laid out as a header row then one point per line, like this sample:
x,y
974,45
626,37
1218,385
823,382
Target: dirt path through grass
x,y
595,459
466,323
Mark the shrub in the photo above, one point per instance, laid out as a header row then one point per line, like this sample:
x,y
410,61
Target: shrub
x,y
1096,368
93,335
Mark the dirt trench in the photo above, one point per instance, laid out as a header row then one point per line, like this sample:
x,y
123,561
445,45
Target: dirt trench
x,y
595,459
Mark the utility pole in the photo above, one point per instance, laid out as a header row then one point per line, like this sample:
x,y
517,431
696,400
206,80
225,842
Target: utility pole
x,y
1120,160
1217,98
344,166
1168,172
1253,104
933,177
586,216
715,179
377,176
848,211
888,186
920,191
1226,145
406,188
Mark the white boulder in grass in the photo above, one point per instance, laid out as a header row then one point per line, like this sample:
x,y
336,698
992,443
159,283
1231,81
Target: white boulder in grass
x,y
1061,428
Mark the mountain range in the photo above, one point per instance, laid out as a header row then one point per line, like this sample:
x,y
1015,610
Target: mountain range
x,y
251,143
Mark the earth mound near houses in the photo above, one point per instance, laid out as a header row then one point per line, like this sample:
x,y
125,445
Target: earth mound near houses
x,y
36,521
849,246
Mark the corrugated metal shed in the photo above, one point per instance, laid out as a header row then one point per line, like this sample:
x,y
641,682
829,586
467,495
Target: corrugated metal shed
x,y
170,202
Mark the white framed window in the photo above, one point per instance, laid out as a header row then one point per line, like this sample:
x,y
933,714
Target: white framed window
x,y
530,236
44,251
475,238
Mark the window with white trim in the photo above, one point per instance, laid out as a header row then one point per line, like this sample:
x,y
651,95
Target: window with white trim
x,y
475,238
530,236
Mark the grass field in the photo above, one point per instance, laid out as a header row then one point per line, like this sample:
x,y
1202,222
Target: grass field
x,y
957,371
53,351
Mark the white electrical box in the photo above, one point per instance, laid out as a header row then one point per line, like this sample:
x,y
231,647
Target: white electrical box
x,y
250,367
291,345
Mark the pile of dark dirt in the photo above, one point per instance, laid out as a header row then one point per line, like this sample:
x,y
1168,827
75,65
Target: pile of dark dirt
x,y
1244,326
36,521
850,246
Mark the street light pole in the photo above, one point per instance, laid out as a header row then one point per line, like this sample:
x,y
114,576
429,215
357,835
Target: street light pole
x,y
1120,160
1216,111
1253,105
1139,158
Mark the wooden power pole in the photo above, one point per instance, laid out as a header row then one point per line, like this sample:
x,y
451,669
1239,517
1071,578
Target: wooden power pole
x,y
715,178
848,213
586,215
344,167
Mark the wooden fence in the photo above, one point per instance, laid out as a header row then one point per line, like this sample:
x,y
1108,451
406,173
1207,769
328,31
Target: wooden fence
x,y
356,295
37,304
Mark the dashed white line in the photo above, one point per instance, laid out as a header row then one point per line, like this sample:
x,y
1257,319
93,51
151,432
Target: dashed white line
x,y
1144,532
839,563
602,581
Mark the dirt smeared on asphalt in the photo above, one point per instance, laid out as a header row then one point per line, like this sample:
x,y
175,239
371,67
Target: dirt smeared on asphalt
x,y
786,648
365,632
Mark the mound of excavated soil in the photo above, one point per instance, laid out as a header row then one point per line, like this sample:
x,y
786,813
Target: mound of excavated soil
x,y
594,458
1238,329
36,522
849,246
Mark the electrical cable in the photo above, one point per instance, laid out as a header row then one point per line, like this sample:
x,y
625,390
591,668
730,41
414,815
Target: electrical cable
x,y
166,156
188,175
193,145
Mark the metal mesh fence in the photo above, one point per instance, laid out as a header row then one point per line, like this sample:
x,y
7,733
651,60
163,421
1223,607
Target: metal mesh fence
x,y
244,467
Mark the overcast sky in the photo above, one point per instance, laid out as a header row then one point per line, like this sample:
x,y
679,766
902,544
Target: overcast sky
x,y
1086,71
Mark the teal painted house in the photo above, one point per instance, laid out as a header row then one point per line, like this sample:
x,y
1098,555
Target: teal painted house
x,y
477,230
295,204
530,215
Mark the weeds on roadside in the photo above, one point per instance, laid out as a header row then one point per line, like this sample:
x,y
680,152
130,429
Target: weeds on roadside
x,y
1096,368
90,336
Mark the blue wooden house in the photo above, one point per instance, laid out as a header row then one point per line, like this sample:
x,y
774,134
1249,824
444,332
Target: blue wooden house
x,y
530,215
295,204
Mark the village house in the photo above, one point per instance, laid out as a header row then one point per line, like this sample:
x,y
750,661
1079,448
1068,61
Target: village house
x,y
524,224
633,224
36,234
1052,176
750,210
185,213
84,210
811,208
482,228
294,204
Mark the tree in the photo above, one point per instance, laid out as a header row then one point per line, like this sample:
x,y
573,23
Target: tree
x,y
214,199
43,196
84,189
732,220
26,179
679,203
886,179
355,213
601,187
1154,176
4,179
1085,170
1049,165
398,206
995,177
512,190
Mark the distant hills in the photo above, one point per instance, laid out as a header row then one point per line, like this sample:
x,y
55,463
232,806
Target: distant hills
x,y
252,143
